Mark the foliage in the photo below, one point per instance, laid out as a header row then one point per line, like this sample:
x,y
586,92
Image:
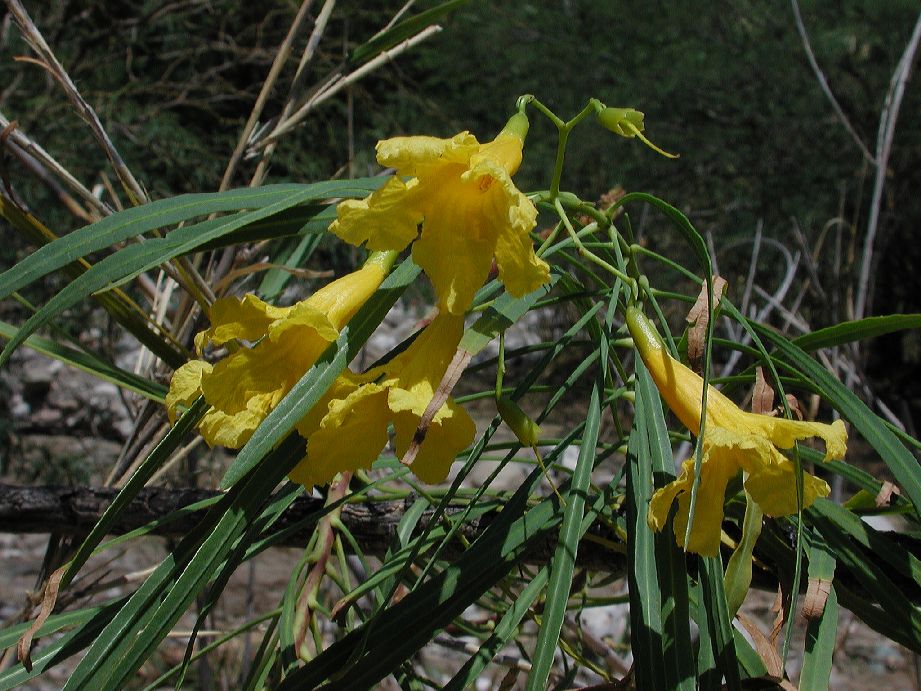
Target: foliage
x,y
474,563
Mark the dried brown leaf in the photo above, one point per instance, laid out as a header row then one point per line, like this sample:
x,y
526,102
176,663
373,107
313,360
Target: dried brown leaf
x,y
795,407
816,594
762,395
698,318
884,497
50,597
765,646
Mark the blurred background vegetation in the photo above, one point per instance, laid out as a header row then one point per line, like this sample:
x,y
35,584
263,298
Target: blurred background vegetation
x,y
726,85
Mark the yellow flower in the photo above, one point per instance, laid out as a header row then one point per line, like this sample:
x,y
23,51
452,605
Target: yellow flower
x,y
733,440
461,192
245,386
351,430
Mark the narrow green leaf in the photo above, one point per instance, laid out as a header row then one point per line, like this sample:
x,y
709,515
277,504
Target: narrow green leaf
x,y
507,627
89,363
502,313
900,461
659,600
375,649
820,632
564,557
738,576
821,640
719,623
133,260
135,483
867,568
859,330
275,280
403,30
159,214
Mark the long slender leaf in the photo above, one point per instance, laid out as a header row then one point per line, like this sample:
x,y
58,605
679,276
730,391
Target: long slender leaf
x,y
900,461
821,632
89,363
719,622
403,30
133,260
134,485
372,651
659,610
159,214
564,557
859,330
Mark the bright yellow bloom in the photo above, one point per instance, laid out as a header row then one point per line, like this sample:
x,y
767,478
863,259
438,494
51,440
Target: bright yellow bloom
x,y
352,429
247,384
733,440
461,192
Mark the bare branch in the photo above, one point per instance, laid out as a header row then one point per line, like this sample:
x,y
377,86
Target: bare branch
x,y
19,139
887,120
334,88
35,39
826,89
75,510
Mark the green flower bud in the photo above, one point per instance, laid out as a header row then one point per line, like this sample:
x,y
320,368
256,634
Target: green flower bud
x,y
527,431
626,122
517,125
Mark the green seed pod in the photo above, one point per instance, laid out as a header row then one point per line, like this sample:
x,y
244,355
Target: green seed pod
x,y
527,431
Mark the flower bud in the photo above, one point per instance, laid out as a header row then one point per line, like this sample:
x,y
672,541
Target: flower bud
x,y
628,122
527,431
623,121
517,125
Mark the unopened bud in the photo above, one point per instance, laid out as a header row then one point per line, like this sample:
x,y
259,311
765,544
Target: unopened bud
x,y
628,122
623,121
527,431
517,125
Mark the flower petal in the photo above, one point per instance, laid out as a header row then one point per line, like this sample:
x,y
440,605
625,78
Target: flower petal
x,y
450,432
715,472
342,298
514,214
458,240
505,149
387,219
248,374
417,156
246,319
185,386
784,433
351,436
235,429
413,375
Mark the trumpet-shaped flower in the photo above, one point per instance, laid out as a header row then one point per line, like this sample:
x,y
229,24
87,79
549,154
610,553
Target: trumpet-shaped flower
x,y
245,386
398,392
462,195
733,440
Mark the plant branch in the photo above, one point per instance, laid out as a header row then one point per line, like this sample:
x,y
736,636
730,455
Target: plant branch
x,y
826,89
34,38
75,510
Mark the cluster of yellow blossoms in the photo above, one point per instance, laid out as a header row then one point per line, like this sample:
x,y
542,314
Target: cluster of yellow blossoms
x,y
454,201
460,193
